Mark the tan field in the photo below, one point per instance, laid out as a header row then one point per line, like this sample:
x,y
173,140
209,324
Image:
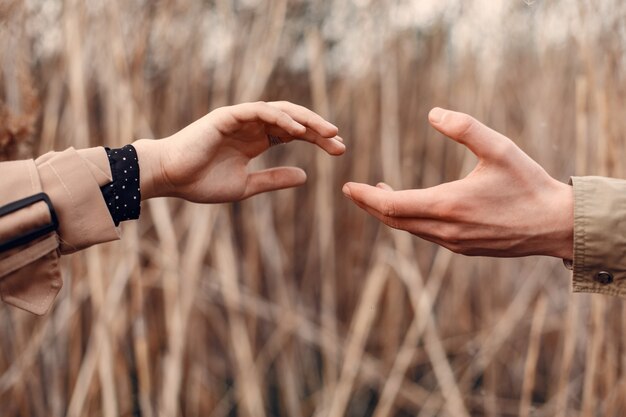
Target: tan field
x,y
296,303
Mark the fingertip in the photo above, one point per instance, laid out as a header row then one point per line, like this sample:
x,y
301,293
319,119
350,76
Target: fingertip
x,y
340,148
332,146
365,194
436,115
346,190
355,190
300,175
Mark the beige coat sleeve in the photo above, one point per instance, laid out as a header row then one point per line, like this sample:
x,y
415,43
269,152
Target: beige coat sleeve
x,y
599,264
29,273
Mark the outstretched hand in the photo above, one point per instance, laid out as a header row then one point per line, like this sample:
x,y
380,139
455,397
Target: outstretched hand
x,y
206,162
507,206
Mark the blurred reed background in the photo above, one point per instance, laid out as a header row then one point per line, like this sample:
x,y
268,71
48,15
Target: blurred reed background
x,y
296,303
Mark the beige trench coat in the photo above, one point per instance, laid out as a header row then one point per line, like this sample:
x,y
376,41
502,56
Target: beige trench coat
x,y
29,273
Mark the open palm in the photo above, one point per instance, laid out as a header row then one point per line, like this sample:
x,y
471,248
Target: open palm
x,y
507,206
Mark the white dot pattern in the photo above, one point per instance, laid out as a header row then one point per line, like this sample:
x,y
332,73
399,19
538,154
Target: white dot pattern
x,y
124,166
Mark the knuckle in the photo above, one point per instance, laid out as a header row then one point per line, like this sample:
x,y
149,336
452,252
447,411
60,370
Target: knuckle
x,y
250,107
501,150
470,252
287,120
449,234
389,208
280,104
446,210
454,248
392,222
461,249
464,124
224,109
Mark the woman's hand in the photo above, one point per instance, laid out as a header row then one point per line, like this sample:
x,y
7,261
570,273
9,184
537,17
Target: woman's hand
x,y
507,206
206,162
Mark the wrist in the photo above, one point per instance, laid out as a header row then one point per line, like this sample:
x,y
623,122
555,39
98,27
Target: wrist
x,y
150,167
563,221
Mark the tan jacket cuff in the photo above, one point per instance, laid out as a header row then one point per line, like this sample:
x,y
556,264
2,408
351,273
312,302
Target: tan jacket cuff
x,y
73,179
599,264
29,274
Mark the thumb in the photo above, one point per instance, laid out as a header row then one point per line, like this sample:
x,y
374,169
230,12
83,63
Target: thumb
x,y
273,179
483,141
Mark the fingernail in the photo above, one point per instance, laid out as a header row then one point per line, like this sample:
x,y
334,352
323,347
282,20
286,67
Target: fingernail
x,y
436,115
346,191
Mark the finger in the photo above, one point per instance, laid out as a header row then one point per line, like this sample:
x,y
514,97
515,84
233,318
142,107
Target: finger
x,y
308,118
428,229
333,146
483,141
319,131
425,203
273,179
263,112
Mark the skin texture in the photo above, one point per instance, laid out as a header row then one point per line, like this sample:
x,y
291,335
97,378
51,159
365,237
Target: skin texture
x,y
206,162
508,206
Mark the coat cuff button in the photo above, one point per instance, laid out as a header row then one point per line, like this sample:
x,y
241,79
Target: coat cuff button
x,y
604,277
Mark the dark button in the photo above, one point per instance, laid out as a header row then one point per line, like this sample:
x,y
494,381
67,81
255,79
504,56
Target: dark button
x,y
604,277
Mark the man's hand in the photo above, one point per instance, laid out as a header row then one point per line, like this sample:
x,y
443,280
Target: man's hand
x,y
206,162
507,206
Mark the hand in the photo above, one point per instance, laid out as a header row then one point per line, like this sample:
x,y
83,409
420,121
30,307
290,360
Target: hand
x,y
206,162
507,206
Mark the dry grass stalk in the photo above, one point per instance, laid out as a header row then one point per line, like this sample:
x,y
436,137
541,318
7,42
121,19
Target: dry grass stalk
x,y
530,366
249,384
359,330
324,215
